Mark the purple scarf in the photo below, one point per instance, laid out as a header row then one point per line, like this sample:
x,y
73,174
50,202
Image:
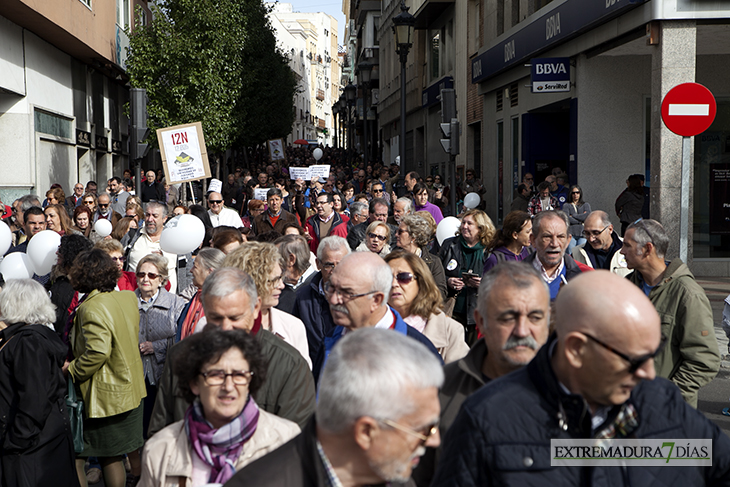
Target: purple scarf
x,y
220,448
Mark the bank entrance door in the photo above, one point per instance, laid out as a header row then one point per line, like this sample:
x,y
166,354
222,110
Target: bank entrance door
x,y
549,140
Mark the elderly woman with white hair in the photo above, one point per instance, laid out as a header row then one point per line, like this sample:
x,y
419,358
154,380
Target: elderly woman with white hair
x,y
36,447
376,240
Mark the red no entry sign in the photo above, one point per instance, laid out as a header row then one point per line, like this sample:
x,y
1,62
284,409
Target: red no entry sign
x,y
688,109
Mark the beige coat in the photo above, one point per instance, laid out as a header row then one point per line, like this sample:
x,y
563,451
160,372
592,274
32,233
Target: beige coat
x,y
447,336
167,457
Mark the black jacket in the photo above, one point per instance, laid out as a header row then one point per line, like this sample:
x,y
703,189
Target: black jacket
x,y
451,250
294,464
314,311
153,192
35,436
356,234
503,431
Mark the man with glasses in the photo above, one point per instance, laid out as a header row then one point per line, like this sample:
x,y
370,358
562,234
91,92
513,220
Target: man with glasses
x,y
311,304
594,378
358,293
326,222
601,251
219,214
104,210
75,199
513,315
138,243
377,411
691,358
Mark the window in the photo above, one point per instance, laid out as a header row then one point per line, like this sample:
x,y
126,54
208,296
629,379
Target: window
x,y
48,123
435,47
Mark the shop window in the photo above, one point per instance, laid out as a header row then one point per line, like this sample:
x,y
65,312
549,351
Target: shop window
x,y
50,124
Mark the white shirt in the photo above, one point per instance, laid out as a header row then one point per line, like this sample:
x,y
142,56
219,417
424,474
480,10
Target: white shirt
x,y
145,246
548,279
226,217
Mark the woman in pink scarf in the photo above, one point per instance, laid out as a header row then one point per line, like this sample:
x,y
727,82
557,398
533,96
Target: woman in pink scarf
x,y
223,429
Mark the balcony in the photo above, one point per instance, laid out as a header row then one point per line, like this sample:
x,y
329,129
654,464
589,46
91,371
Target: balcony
x,y
320,94
320,123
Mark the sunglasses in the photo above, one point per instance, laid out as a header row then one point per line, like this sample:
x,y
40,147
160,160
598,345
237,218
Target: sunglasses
x,y
215,202
151,275
121,259
405,277
103,206
379,237
636,362
377,191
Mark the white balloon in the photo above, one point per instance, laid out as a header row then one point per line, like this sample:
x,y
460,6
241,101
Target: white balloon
x,y
471,200
103,227
42,251
447,228
16,266
182,234
317,154
6,238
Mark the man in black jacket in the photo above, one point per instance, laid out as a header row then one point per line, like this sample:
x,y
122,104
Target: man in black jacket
x,y
594,379
377,410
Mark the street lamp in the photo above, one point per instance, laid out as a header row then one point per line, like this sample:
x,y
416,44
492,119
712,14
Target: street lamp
x,y
350,94
335,110
403,25
365,72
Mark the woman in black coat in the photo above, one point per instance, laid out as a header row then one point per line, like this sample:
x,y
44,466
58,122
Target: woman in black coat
x,y
36,448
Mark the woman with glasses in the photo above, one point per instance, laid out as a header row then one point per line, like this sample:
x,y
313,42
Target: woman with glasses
x,y
413,235
107,369
219,372
415,296
377,236
263,262
89,200
159,311
512,242
577,210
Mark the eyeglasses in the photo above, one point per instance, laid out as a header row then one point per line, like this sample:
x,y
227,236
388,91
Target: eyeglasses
x,y
151,275
405,277
121,259
377,191
401,231
218,377
330,290
594,233
328,266
101,205
275,279
430,430
634,363
640,221
429,181
375,235
322,203
215,202
575,192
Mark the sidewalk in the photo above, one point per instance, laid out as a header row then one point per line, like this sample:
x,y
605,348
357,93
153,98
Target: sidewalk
x,y
717,289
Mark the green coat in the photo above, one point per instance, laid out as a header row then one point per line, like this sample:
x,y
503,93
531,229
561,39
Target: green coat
x,y
108,367
690,358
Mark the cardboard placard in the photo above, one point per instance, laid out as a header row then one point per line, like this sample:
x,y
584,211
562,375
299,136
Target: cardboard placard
x,y
260,193
311,172
183,152
276,150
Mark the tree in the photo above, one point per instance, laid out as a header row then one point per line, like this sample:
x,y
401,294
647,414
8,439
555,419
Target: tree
x,y
199,60
268,95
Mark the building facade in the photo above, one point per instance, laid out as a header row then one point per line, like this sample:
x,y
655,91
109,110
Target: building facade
x,y
311,41
62,92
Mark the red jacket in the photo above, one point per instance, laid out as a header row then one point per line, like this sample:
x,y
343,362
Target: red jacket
x,y
339,228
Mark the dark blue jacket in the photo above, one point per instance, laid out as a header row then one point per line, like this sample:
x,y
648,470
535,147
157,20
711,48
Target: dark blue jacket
x,y
502,434
400,326
314,311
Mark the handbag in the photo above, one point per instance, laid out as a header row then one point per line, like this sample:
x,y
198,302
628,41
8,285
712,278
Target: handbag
x,y
449,305
75,408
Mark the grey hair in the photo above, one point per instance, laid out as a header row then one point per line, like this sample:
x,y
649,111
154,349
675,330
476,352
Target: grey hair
x,y
537,219
159,262
370,373
602,217
155,204
646,231
27,201
227,280
25,301
517,274
382,279
210,258
295,245
419,229
333,243
357,207
408,202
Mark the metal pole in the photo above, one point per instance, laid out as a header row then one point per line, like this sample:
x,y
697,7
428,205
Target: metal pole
x,y
684,208
402,144
365,120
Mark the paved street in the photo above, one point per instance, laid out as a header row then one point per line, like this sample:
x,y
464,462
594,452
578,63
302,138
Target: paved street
x,y
716,395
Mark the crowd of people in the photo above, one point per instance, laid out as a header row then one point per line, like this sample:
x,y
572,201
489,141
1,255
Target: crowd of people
x,y
325,336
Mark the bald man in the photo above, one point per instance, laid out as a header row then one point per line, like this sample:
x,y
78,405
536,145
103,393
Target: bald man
x,y
357,292
594,378
219,214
